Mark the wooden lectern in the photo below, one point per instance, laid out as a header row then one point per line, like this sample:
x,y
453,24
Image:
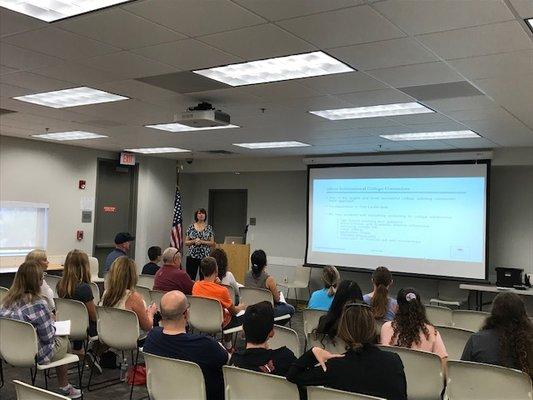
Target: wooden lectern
x,y
238,259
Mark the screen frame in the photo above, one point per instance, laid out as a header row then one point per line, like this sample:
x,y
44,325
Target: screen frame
x,y
488,164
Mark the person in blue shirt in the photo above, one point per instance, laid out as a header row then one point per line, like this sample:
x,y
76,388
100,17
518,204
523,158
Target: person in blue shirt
x,y
383,307
322,299
122,246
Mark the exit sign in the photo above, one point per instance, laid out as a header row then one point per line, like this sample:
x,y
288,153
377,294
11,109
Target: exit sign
x,y
127,159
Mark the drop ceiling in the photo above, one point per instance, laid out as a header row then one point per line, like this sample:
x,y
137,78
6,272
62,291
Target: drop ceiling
x,y
480,51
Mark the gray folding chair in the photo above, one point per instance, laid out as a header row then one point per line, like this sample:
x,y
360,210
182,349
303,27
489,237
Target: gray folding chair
x,y
468,319
3,292
250,296
96,292
28,392
323,393
168,377
454,340
52,281
155,296
231,291
146,281
206,315
438,315
333,346
284,336
310,320
145,293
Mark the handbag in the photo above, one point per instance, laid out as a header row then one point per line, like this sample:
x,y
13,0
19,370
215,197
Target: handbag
x,y
140,375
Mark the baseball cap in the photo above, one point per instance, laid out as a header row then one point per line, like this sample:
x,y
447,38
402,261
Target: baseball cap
x,y
123,237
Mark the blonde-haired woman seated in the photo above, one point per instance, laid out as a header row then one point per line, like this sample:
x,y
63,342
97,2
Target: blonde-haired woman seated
x,y
39,256
23,302
120,292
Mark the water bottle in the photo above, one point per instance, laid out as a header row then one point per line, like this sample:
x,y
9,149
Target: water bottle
x,y
124,370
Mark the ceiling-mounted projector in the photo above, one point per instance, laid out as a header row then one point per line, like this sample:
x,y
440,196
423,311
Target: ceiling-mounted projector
x,y
204,115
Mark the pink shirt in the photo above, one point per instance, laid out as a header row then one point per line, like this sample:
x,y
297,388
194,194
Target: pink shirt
x,y
433,345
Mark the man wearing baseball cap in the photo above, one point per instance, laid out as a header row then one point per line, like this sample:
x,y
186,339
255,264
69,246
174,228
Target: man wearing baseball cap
x,y
122,245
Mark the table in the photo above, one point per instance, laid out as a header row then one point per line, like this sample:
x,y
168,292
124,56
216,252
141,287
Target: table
x,y
480,289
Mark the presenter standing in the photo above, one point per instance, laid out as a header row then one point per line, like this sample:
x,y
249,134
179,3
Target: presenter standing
x,y
200,239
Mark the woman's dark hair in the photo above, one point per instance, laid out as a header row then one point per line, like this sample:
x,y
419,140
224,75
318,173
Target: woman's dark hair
x,y
208,265
381,278
259,262
222,261
410,319
509,319
200,211
154,252
347,291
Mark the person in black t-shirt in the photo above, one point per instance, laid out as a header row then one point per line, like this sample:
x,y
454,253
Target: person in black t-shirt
x,y
154,254
172,341
258,327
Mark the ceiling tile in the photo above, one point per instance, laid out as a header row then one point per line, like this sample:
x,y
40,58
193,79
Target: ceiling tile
x,y
462,103
6,70
418,74
421,119
193,17
142,91
13,22
523,7
477,41
258,42
281,9
415,17
120,28
343,27
187,54
12,91
36,83
496,65
131,65
22,59
388,53
342,83
430,145
279,90
376,97
77,73
57,42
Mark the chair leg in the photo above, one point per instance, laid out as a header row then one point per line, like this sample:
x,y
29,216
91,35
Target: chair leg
x,y
80,375
134,372
46,379
1,374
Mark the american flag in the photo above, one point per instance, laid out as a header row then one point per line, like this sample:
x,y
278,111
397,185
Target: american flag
x,y
176,234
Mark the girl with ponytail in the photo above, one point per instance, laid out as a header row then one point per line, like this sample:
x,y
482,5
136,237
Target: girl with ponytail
x,y
322,299
383,307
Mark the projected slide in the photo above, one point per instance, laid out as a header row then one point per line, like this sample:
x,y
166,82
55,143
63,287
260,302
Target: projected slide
x,y
409,221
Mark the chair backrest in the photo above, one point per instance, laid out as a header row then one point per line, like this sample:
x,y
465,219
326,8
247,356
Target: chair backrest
x,y
337,346
57,259
96,292
3,292
284,336
146,281
454,340
94,266
52,281
438,315
249,296
470,320
155,296
18,342
231,291
117,328
450,291
302,275
26,391
76,312
145,293
311,318
242,384
167,377
475,381
205,314
423,371
323,393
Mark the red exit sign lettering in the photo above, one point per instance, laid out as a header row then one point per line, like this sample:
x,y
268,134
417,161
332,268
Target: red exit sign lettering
x,y
127,158
110,209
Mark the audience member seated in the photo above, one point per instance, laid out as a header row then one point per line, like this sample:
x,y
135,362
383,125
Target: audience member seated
x,y
506,338
39,256
258,278
225,276
258,327
120,292
411,328
210,288
321,299
347,292
75,285
383,306
364,368
172,340
170,276
154,255
23,302
122,246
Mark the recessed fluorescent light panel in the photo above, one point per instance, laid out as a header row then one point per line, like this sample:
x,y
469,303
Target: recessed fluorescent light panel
x,y
271,145
80,96
158,150
175,127
53,10
432,135
276,69
73,135
386,110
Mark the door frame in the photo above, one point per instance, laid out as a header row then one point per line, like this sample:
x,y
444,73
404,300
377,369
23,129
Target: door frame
x,y
211,202
134,184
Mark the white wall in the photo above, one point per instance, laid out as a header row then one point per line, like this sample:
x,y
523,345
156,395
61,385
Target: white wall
x,y
42,172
